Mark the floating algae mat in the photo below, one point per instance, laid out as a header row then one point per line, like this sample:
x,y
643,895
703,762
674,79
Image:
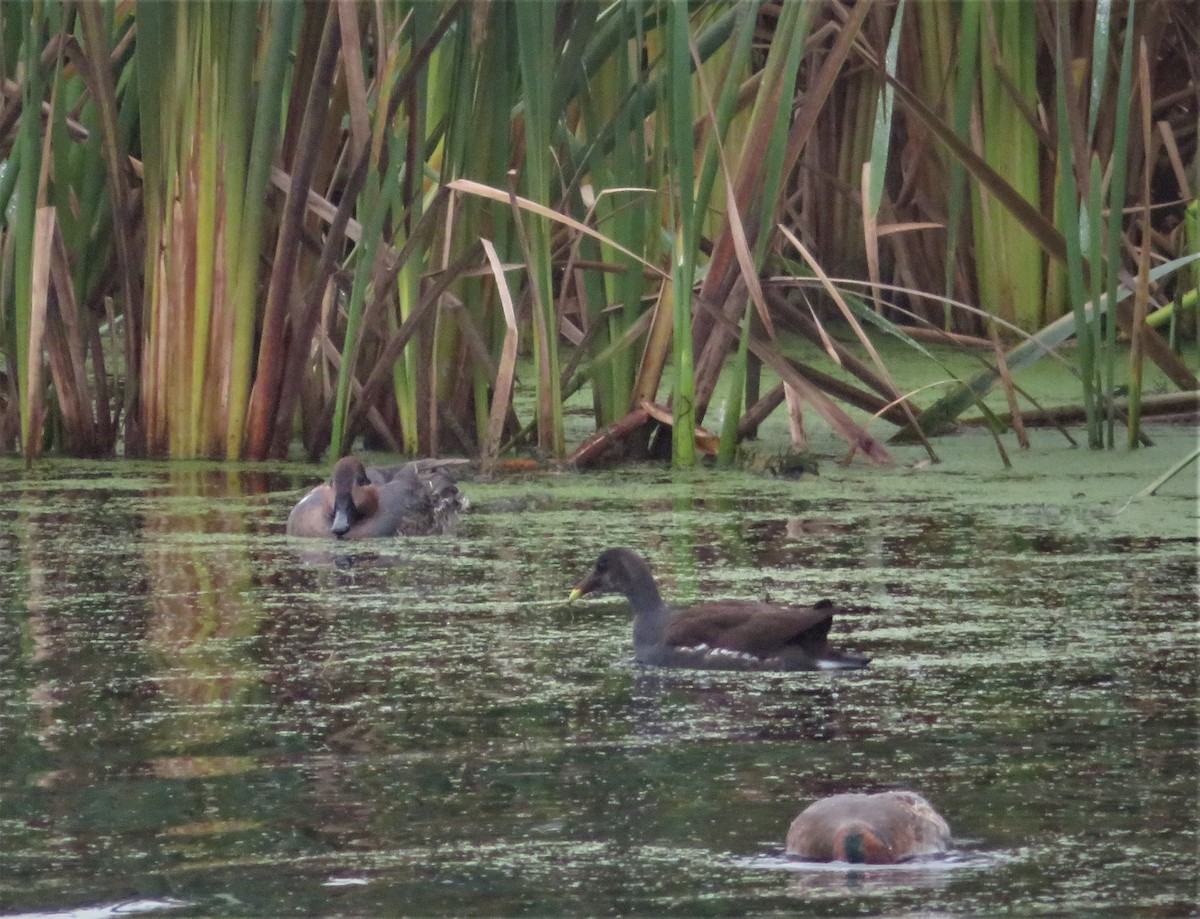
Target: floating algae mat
x,y
200,716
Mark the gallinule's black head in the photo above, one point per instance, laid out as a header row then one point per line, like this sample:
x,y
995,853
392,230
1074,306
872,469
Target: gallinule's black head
x,y
879,829
358,502
727,634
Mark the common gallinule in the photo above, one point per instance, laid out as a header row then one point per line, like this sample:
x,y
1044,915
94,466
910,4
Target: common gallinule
x,y
358,502
879,829
726,635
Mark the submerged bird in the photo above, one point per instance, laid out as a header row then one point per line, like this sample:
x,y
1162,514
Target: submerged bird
x,y
879,829
726,635
358,502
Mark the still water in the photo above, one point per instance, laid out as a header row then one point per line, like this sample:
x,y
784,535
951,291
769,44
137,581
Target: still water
x,y
200,716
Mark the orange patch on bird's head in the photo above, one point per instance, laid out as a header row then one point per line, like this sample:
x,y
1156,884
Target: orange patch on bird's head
x,y
859,843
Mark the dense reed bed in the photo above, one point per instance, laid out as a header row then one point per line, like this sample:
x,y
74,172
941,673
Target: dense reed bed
x,y
230,228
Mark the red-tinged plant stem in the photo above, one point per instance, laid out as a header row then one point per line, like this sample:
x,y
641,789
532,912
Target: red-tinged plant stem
x,y
264,397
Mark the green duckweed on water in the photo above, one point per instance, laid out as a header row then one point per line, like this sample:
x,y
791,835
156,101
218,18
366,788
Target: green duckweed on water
x,y
202,716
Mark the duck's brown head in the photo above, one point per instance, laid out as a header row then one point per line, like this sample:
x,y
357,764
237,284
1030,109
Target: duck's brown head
x,y
352,495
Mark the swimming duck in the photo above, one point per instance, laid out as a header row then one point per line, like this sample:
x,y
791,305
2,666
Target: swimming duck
x,y
726,635
879,829
358,502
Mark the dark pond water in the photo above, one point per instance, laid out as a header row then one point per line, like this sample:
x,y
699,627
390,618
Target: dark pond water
x,y
202,717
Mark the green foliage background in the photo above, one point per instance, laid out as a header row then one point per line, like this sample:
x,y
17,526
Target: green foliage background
x,y
237,226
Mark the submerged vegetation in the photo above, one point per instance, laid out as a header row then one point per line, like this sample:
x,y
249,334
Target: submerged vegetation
x,y
229,227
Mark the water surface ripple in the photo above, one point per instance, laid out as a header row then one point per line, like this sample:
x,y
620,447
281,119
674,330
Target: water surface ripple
x,y
201,716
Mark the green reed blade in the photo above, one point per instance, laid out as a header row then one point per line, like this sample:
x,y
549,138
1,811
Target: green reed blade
x,y
881,135
367,248
248,242
1116,203
26,192
677,104
537,57
1091,225
964,94
1068,212
1101,23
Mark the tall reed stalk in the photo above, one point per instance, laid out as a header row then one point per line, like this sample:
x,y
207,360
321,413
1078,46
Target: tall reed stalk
x,y
209,133
537,57
28,149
